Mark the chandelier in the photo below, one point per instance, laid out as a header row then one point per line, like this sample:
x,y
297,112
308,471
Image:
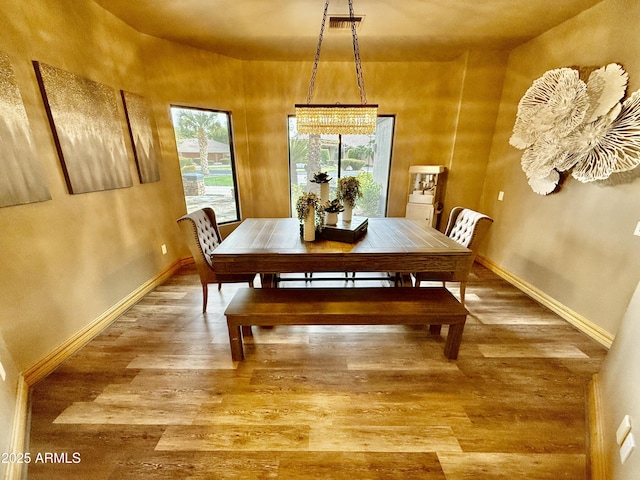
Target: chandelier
x,y
337,118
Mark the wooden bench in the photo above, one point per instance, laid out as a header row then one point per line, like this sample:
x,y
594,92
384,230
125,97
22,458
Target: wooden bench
x,y
345,306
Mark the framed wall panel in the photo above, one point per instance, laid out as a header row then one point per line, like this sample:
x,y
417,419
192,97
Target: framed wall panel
x,y
141,126
22,179
87,130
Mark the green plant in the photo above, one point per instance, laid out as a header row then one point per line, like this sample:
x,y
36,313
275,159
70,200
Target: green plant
x,y
296,191
370,203
334,206
321,177
298,150
191,168
194,124
219,181
353,163
349,190
305,203
362,152
185,161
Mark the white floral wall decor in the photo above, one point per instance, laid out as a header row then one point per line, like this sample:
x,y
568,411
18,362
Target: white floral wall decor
x,y
565,124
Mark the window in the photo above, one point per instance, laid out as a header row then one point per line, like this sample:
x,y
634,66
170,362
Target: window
x,y
205,152
366,156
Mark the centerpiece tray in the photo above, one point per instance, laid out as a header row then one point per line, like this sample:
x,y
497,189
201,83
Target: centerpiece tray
x,y
348,232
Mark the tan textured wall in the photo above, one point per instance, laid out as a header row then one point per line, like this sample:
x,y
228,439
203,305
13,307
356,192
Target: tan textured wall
x,y
619,384
74,256
68,260
178,75
576,246
422,96
478,109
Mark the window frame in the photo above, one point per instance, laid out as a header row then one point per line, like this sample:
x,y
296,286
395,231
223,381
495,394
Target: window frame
x,y
339,149
232,155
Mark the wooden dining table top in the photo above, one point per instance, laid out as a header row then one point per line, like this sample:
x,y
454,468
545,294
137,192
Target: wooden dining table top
x,y
274,245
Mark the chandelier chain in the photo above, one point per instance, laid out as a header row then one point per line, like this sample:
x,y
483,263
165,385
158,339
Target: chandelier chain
x,y
356,55
317,59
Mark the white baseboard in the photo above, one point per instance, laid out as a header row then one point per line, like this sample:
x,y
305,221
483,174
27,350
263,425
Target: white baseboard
x,y
583,324
596,452
16,471
49,363
31,376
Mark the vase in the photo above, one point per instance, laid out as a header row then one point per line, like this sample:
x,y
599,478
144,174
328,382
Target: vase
x,y
332,218
347,213
324,193
309,227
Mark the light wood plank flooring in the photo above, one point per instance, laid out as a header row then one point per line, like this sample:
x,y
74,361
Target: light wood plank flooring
x,y
156,396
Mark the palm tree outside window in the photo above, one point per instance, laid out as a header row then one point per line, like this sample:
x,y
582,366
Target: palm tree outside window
x,y
205,151
367,157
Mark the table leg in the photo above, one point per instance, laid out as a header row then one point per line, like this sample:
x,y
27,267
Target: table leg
x,y
235,341
403,280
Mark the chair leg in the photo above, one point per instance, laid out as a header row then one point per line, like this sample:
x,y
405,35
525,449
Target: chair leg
x,y
463,289
205,297
220,286
269,280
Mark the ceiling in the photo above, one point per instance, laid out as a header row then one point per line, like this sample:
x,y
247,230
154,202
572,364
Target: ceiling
x,y
392,30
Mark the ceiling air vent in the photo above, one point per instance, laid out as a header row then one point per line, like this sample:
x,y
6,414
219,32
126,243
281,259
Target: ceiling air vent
x,y
342,22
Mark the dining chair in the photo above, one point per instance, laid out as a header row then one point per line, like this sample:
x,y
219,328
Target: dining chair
x,y
203,236
468,228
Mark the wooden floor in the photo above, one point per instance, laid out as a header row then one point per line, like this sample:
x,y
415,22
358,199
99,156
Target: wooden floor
x,y
156,396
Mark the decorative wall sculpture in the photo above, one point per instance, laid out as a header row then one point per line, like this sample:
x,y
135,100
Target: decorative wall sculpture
x,y
565,124
87,130
21,176
140,121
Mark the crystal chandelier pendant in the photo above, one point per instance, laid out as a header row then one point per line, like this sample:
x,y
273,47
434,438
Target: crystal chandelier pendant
x,y
337,118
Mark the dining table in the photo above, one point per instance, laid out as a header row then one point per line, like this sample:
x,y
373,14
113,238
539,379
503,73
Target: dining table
x,y
272,246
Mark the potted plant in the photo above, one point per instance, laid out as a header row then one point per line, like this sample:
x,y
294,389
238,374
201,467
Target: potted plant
x,y
323,179
306,207
348,191
332,209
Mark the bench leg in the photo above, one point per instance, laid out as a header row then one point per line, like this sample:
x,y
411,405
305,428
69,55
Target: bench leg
x,y
452,344
246,331
435,329
235,341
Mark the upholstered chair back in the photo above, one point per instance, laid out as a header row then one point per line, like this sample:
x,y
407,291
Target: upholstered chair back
x,y
202,233
468,227
203,236
207,231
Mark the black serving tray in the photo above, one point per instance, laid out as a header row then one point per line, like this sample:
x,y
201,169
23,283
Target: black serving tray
x,y
348,232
